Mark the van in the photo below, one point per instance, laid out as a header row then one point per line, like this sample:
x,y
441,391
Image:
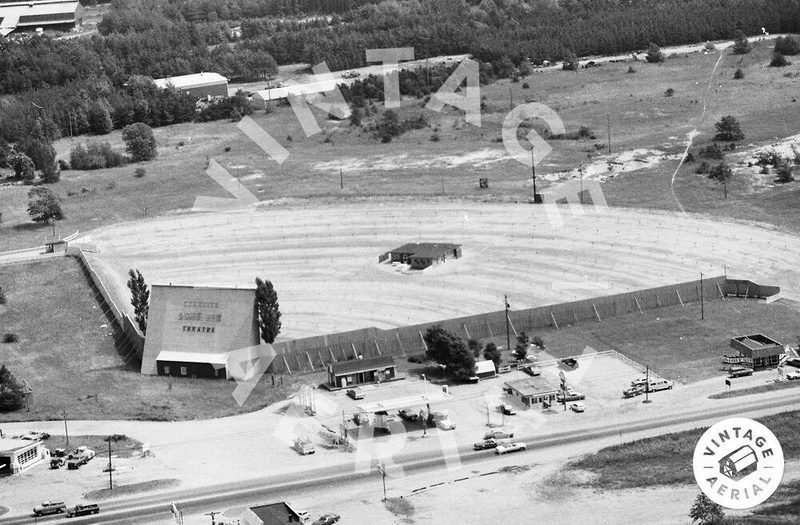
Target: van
x,y
740,371
659,384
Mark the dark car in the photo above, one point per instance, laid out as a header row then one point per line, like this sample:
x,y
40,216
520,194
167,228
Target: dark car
x,y
355,394
327,519
740,371
570,363
571,396
83,510
408,414
507,410
532,370
485,444
633,391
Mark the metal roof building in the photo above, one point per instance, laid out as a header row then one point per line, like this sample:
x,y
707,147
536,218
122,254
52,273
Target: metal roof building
x,y
201,85
532,390
17,455
420,255
50,14
360,371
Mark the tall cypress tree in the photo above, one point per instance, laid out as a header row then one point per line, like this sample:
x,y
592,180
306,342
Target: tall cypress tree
x,y
140,298
268,310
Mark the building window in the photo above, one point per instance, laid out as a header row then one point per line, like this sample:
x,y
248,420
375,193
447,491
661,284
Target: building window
x,y
166,369
183,371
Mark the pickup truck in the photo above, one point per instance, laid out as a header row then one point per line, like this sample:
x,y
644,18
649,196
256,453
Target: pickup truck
x,y
304,446
571,396
57,462
49,507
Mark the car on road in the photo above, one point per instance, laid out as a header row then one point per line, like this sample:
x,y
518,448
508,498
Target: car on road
x,y
355,394
49,507
570,362
633,391
442,420
507,410
485,444
511,447
35,436
532,370
578,407
83,510
327,519
499,433
740,371
793,374
408,414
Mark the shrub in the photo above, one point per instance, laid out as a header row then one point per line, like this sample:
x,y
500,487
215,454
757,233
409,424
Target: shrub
x,y
739,74
712,151
768,157
10,338
702,168
22,165
525,85
2,296
785,172
778,60
63,165
435,137
417,358
140,143
12,396
570,62
669,92
728,130
631,70
720,172
689,158
741,46
709,46
654,54
787,46
139,172
95,156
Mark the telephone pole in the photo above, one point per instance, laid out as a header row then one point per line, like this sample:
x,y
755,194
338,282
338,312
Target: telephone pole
x,y
533,177
110,468
66,431
702,309
508,333
213,514
647,385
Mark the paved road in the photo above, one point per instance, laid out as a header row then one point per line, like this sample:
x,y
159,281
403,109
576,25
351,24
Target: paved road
x,y
156,507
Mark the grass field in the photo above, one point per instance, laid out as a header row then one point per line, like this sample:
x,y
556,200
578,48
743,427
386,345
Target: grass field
x,y
73,364
121,446
667,459
641,118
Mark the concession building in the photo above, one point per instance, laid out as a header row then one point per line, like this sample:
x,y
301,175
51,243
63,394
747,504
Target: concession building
x,y
60,15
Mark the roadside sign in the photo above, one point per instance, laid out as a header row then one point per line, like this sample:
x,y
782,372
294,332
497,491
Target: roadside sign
x,y
728,383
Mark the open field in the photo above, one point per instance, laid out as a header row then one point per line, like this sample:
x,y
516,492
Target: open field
x,y
648,131
323,259
73,364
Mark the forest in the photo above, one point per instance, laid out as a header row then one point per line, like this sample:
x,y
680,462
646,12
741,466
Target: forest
x,y
245,40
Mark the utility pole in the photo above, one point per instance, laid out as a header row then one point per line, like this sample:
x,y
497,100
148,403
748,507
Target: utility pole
x,y
647,385
533,175
488,423
580,171
702,309
725,185
66,431
508,333
341,179
110,469
608,125
212,514
382,470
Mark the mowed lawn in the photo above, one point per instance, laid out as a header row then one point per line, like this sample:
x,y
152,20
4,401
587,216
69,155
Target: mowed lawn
x,y
673,341
449,156
66,352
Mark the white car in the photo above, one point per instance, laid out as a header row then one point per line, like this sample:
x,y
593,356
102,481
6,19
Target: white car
x,y
578,407
793,374
511,447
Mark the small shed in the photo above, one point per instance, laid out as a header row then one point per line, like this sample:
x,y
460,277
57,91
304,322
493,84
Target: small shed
x,y
484,369
760,350
532,391
361,371
424,254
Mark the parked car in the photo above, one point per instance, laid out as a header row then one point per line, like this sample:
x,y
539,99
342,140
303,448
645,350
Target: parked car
x,y
507,410
499,433
75,463
511,447
304,446
659,384
572,395
578,407
57,462
443,421
532,370
408,414
570,362
355,394
83,510
327,519
49,507
633,391
639,382
35,436
740,371
793,374
59,453
485,444
793,362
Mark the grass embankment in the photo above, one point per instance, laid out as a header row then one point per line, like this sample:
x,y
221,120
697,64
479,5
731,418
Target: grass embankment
x,y
667,459
417,164
133,488
756,390
66,352
121,446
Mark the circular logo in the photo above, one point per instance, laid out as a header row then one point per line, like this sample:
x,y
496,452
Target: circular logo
x,y
738,463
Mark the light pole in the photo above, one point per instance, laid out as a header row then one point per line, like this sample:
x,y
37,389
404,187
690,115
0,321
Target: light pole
x,y
647,386
382,470
508,333
702,308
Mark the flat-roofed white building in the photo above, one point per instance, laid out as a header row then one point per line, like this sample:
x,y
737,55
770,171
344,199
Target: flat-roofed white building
x,y
64,15
18,455
201,85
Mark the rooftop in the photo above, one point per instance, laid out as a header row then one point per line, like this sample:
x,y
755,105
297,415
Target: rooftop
x,y
36,13
276,514
532,386
426,249
10,444
362,365
191,81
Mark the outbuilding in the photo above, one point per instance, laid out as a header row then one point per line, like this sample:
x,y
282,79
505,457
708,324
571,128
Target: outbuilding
x,y
421,255
201,85
60,15
484,369
271,514
532,391
758,350
18,455
345,374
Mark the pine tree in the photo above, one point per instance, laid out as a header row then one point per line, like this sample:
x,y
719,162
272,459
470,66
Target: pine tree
x,y
268,310
140,298
12,395
706,512
741,46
